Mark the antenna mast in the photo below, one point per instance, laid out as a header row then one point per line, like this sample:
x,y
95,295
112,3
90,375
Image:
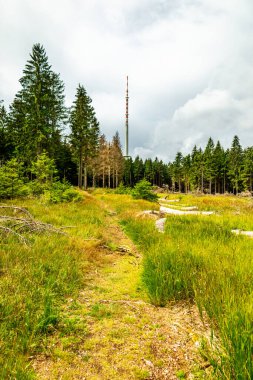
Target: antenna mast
x,y
127,98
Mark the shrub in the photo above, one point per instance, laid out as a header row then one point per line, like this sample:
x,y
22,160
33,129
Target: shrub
x,y
12,181
37,188
44,168
121,189
63,192
143,190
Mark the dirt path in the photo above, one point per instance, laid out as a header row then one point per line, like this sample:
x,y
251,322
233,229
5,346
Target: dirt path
x,y
126,337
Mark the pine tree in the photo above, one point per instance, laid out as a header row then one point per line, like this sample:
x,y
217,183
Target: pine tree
x,y
186,172
209,164
37,113
3,134
138,169
171,170
148,171
225,171
84,135
158,172
178,167
197,169
165,175
161,173
12,179
92,170
235,168
66,167
44,168
219,158
117,160
248,169
103,159
109,165
128,175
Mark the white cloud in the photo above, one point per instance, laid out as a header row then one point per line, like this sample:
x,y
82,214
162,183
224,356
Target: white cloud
x,y
189,64
110,108
144,153
208,101
212,113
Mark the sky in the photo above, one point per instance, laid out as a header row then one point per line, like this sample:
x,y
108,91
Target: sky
x,y
189,63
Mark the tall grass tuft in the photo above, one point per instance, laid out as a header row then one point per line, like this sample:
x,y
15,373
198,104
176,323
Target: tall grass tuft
x,y
33,285
200,259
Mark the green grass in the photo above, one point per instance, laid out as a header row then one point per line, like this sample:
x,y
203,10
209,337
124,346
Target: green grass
x,y
100,311
35,281
198,258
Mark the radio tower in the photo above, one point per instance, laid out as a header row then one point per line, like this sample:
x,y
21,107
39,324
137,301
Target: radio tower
x,y
127,98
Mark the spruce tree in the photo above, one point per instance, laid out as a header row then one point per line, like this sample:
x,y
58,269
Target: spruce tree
x,y
138,169
171,170
12,179
117,160
3,134
209,169
197,169
149,171
109,165
248,169
219,158
37,113
186,172
165,175
178,169
162,173
235,167
84,135
103,159
66,167
158,172
128,176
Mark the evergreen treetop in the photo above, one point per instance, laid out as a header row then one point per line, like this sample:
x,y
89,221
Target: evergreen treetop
x,y
37,113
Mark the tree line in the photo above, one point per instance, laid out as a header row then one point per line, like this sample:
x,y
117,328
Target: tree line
x,y
37,123
210,170
34,131
214,169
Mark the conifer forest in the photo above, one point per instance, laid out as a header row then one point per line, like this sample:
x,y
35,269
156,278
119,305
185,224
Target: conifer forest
x,y
38,130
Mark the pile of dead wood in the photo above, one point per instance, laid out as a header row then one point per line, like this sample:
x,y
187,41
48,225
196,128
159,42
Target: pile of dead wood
x,y
19,222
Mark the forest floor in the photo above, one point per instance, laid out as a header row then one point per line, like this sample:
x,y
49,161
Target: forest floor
x,y
122,336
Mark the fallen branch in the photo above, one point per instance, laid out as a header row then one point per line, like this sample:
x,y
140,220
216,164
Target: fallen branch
x,y
16,225
24,210
9,230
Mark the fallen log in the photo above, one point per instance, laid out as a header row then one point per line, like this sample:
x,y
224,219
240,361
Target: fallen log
x,y
173,211
25,224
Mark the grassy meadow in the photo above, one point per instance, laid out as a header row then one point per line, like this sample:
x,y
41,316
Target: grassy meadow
x,y
197,259
35,280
